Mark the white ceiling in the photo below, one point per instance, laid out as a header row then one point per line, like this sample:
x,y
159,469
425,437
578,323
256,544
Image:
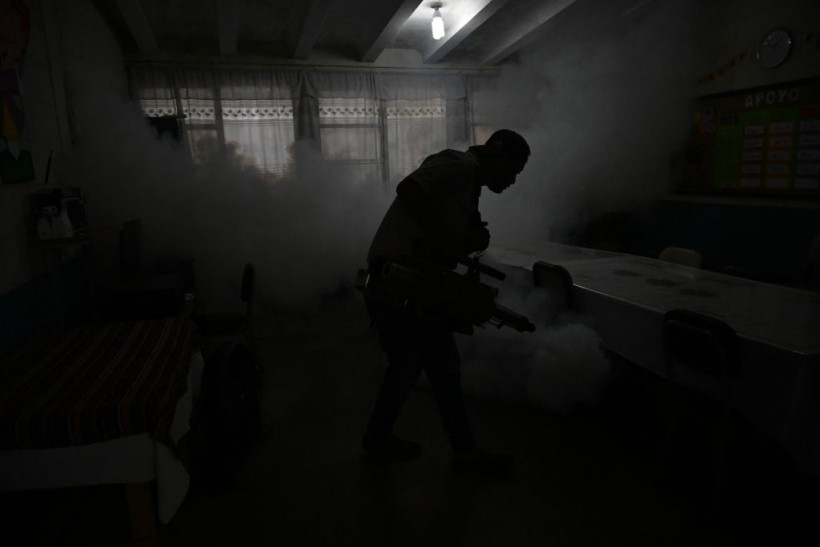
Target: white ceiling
x,y
479,32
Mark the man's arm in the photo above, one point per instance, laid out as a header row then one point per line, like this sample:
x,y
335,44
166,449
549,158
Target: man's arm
x,y
422,207
437,231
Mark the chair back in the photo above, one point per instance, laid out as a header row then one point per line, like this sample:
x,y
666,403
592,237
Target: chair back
x,y
130,251
248,287
681,255
709,346
700,342
557,281
811,276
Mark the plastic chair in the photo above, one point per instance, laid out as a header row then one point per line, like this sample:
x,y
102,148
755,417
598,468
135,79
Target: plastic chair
x,y
701,354
681,255
811,275
558,281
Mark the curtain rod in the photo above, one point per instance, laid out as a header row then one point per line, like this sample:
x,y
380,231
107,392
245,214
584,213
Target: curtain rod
x,y
260,63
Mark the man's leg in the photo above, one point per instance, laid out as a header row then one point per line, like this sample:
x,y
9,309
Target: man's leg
x,y
401,341
443,369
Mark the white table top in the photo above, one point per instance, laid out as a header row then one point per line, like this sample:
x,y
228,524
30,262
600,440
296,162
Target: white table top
x,y
527,253
783,317
779,328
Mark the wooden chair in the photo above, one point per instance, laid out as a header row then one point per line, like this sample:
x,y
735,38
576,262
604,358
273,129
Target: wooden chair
x,y
701,355
234,323
681,255
135,291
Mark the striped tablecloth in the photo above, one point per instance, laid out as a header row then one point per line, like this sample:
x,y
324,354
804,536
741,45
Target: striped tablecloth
x,y
94,383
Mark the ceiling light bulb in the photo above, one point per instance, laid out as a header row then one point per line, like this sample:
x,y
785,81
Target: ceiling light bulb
x,y
438,25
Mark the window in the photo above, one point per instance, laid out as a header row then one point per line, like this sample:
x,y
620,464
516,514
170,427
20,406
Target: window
x,y
260,131
349,132
373,126
415,129
201,129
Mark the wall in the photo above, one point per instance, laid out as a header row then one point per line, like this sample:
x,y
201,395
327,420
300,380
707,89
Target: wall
x,y
68,41
769,236
730,27
749,237
18,261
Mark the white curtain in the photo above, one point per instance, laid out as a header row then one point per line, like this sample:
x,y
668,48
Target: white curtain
x,y
416,119
486,108
377,125
257,116
349,115
248,114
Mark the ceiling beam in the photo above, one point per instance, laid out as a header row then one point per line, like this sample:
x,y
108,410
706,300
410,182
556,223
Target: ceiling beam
x,y
518,38
403,12
445,46
227,21
134,17
311,27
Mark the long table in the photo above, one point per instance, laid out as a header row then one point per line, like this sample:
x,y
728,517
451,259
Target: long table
x,y
625,297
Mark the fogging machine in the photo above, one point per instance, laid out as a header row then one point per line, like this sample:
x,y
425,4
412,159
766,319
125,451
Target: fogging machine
x,y
425,289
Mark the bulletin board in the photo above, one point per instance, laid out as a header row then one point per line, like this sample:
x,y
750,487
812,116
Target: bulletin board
x,y
762,141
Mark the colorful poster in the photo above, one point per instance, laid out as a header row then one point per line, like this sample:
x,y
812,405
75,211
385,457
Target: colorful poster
x,y
760,141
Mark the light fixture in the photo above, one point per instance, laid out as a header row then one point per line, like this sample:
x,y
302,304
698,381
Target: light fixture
x,y
438,23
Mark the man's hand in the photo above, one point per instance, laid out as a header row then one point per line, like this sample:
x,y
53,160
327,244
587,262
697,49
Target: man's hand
x,y
446,252
480,238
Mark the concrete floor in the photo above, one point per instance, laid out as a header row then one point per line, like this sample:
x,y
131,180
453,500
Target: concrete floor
x,y
581,479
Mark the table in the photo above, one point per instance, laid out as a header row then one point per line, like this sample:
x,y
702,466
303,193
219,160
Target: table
x,y
101,404
527,252
130,460
625,297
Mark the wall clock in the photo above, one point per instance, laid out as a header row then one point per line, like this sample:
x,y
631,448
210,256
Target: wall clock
x,y
774,48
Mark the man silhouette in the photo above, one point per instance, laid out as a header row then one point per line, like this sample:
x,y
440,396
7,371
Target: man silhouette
x,y
435,217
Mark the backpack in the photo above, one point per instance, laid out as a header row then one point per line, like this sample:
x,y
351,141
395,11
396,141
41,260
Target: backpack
x,y
229,415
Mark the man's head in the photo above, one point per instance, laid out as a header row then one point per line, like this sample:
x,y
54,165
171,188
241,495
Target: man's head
x,y
502,158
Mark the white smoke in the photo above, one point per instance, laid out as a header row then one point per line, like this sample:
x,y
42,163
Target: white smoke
x,y
603,100
306,234
559,367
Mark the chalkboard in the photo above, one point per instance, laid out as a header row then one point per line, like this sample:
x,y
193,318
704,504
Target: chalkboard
x,y
756,141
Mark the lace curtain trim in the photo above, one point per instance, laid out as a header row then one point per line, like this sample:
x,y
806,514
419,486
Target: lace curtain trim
x,y
416,112
286,112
